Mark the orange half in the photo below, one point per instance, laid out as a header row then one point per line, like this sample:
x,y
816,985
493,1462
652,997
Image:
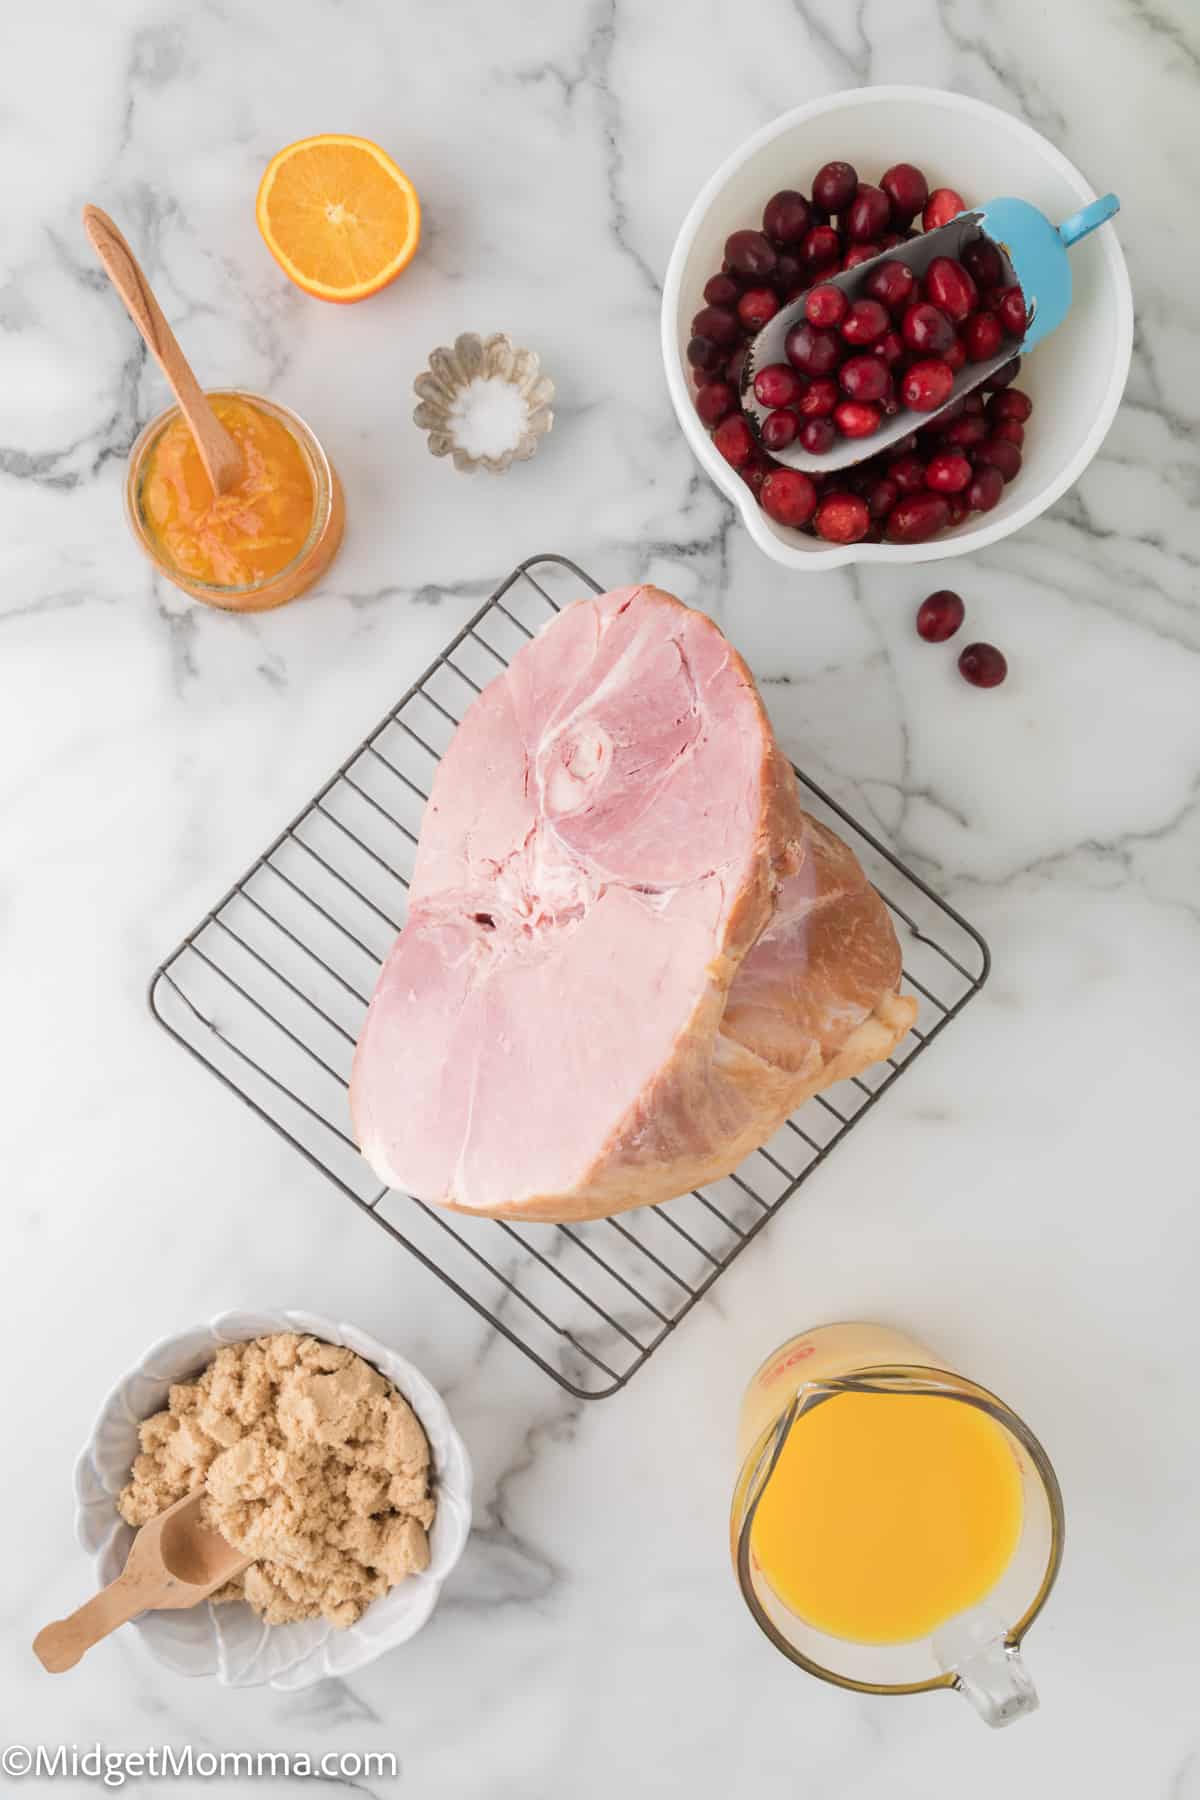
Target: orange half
x,y
338,216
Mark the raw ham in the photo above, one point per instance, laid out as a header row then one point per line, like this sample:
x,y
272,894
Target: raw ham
x,y
629,955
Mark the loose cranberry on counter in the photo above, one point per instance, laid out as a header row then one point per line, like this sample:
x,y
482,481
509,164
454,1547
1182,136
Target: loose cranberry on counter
x,y
1012,404
982,336
948,472
982,665
816,352
786,216
777,385
842,518
1001,377
892,284
864,378
1009,431
834,186
735,440
757,307
942,206
906,189
825,305
917,517
818,435
890,347
789,497
994,453
750,253
1012,311
908,473
855,419
940,615
860,253
926,328
927,385
715,401
869,213
716,323
984,263
704,355
821,249
721,290
865,321
882,495
985,489
779,428
819,398
948,285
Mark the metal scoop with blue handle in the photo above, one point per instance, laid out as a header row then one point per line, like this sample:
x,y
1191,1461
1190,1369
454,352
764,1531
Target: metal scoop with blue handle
x,y
1034,254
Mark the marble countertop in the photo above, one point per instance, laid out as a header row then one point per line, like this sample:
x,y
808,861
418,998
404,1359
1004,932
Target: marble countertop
x,y
1026,1200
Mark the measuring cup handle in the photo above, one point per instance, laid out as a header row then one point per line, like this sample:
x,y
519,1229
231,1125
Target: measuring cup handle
x,y
997,1683
1087,218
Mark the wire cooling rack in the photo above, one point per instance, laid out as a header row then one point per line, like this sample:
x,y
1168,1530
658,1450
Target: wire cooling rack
x,y
270,989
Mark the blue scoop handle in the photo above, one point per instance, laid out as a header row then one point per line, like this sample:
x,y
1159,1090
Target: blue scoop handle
x,y
1095,213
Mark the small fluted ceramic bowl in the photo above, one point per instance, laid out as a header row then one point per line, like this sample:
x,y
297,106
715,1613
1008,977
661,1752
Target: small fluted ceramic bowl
x,y
1076,378
229,1641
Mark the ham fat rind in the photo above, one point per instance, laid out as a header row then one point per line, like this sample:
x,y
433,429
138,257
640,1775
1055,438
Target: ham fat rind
x,y
629,954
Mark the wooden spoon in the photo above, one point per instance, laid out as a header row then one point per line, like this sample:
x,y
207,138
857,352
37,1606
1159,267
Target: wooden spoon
x,y
174,1561
218,450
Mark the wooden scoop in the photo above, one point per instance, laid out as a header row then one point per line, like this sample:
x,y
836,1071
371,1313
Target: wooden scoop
x,y
174,1561
218,450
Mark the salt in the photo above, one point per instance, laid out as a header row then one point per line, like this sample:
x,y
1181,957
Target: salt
x,y
489,417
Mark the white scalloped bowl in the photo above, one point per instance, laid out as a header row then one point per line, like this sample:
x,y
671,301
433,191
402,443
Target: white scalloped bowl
x,y
230,1642
1076,378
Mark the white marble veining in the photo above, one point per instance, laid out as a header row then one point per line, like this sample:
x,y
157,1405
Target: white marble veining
x,y
1026,1200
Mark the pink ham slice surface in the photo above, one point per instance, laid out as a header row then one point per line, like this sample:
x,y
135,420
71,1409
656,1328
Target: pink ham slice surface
x,y
628,954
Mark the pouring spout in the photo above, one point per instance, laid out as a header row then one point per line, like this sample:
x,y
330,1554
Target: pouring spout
x,y
1095,213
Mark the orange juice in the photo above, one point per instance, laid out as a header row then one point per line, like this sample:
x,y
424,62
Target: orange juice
x,y
888,1514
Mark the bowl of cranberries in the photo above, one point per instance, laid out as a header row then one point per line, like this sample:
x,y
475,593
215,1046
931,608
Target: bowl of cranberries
x,y
842,182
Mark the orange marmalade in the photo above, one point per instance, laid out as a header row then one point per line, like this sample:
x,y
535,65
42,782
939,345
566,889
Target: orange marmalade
x,y
265,540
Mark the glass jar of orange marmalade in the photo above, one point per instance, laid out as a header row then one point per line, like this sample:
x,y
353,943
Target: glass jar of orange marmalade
x,y
259,545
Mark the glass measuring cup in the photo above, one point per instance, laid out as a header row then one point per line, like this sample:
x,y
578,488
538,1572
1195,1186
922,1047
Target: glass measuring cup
x,y
976,1653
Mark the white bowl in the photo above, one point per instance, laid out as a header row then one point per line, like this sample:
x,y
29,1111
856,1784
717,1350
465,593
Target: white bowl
x,y
230,1641
1075,378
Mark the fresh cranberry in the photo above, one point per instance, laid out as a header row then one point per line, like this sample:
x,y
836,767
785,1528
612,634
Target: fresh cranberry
x,y
864,378
926,328
716,323
779,428
734,440
704,355
891,284
854,419
955,354
948,285
789,497
1012,404
860,253
994,453
869,213
906,189
721,290
973,402
1001,377
984,262
954,410
882,496
982,665
1012,311
865,321
905,446
715,401
750,253
958,508
825,305
985,489
890,347
981,336
786,216
842,518
834,186
757,306
916,517
754,474
948,472
970,429
927,385
790,274
816,352
1009,431
777,385
821,249
733,365
818,436
942,206
819,398
907,473
940,615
